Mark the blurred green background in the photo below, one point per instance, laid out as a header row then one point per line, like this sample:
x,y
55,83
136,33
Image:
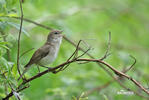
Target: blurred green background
x,y
89,20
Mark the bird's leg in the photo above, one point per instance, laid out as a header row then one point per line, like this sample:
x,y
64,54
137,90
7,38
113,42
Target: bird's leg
x,y
48,68
38,68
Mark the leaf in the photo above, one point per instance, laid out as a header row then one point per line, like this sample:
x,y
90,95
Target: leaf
x,y
2,14
74,98
2,95
12,15
4,63
3,43
105,97
14,70
17,26
3,46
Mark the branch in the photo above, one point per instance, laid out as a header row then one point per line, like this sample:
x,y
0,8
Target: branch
x,y
11,94
59,67
74,60
73,55
126,70
19,37
108,48
99,88
115,79
118,73
30,21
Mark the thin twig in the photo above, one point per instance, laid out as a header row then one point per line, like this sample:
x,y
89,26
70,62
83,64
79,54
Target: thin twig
x,y
108,48
30,21
26,52
77,48
118,73
126,70
49,28
19,37
90,60
115,79
74,55
11,93
99,88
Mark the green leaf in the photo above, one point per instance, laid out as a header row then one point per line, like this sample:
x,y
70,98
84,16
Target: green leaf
x,y
74,98
3,43
2,95
4,63
105,97
3,46
12,15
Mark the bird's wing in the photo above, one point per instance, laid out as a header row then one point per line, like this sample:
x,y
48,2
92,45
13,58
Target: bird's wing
x,y
39,54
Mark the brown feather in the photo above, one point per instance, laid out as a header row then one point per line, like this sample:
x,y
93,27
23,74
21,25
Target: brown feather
x,y
39,54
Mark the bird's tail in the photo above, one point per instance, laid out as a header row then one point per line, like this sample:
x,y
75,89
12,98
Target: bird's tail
x,y
25,70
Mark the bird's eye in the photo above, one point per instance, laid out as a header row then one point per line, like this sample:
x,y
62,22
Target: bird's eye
x,y
56,33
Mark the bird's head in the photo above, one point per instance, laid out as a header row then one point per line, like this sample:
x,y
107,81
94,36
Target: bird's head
x,y
55,36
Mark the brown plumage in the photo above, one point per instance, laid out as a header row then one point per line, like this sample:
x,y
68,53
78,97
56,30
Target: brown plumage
x,y
38,55
47,53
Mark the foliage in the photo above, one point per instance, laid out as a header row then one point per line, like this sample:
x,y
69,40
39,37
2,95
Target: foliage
x,y
89,20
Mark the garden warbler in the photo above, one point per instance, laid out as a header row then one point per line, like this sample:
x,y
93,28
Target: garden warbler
x,y
47,53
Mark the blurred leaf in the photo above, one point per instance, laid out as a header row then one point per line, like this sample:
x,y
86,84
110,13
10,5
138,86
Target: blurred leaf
x,y
74,98
3,25
3,43
12,15
105,97
17,26
14,70
4,63
3,46
2,95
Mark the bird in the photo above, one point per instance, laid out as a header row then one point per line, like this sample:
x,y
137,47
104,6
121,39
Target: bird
x,y
47,53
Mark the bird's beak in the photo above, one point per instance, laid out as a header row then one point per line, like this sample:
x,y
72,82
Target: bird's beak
x,y
61,33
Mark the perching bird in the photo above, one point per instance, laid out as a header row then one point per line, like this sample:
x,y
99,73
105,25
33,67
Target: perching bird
x,y
47,53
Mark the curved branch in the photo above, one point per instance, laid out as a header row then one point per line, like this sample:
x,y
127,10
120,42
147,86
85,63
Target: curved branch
x,y
19,37
118,73
72,61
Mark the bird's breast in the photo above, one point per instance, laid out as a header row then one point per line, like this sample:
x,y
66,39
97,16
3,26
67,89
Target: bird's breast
x,y
53,52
